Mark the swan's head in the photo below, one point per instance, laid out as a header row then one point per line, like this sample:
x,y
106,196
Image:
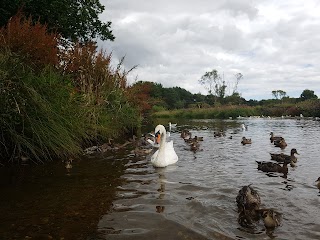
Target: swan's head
x,y
159,131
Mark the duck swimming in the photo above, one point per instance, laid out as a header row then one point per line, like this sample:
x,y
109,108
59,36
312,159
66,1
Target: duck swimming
x,y
166,154
273,167
246,140
281,157
274,138
248,202
280,143
318,183
185,134
271,218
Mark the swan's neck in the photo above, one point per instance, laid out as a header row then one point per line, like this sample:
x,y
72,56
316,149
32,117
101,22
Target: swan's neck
x,y
163,140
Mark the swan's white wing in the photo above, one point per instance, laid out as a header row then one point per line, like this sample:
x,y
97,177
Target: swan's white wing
x,y
171,156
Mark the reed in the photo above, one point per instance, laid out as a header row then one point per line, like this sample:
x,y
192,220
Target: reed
x,y
221,112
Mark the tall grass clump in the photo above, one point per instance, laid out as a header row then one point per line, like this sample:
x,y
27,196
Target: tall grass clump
x,y
38,117
54,102
103,90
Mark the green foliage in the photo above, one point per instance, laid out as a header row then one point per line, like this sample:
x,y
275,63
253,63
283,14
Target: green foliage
x,y
308,94
32,121
52,109
73,19
223,112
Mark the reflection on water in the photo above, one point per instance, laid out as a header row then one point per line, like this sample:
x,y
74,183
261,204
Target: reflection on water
x,y
57,200
193,199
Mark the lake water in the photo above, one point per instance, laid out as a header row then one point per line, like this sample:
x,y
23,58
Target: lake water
x,y
193,199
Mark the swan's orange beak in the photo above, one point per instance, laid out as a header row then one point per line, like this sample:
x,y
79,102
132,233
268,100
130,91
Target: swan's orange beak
x,y
158,137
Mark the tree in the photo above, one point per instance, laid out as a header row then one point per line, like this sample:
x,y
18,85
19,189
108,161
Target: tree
x,y
209,79
73,19
215,85
238,77
279,94
308,94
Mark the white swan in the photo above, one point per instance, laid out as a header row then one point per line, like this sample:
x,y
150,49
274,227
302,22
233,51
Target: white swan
x,y
166,154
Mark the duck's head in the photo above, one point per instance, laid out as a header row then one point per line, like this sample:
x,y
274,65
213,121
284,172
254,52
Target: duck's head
x,y
318,179
293,150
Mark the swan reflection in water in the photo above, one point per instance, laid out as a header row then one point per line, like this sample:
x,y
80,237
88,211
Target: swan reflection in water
x,y
162,185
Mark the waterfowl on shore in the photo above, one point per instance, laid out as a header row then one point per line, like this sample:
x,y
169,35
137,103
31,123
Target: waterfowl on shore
x,y
166,154
273,167
280,143
318,183
281,157
246,140
248,203
274,138
271,218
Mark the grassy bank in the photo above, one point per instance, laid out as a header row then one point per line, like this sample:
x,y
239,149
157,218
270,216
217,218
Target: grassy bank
x,y
308,108
53,103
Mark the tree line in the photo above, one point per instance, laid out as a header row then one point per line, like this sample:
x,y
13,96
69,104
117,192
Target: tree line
x,y
156,97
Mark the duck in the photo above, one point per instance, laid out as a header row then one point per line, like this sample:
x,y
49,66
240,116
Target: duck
x,y
271,218
273,167
281,157
192,140
194,146
274,138
248,203
166,154
281,143
246,140
318,183
68,164
219,134
185,134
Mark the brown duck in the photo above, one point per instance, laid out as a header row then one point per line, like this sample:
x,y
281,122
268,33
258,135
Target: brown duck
x,y
185,134
271,218
318,183
248,202
273,167
246,140
280,143
281,157
274,138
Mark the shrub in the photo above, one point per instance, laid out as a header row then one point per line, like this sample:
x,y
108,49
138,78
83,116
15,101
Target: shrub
x,y
32,42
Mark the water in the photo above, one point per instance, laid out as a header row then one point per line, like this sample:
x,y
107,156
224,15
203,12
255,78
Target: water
x,y
193,199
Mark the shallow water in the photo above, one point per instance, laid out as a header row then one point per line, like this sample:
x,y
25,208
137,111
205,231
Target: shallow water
x,y
195,199
120,196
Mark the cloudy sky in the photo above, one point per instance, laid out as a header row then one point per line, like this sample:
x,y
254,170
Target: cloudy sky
x,y
274,44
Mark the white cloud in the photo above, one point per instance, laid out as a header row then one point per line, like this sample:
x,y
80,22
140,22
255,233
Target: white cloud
x,y
274,44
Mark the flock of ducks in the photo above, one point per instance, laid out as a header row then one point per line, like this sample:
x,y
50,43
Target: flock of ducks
x,y
193,142
280,158
248,200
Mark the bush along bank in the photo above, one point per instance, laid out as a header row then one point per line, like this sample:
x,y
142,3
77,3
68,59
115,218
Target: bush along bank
x,y
53,101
